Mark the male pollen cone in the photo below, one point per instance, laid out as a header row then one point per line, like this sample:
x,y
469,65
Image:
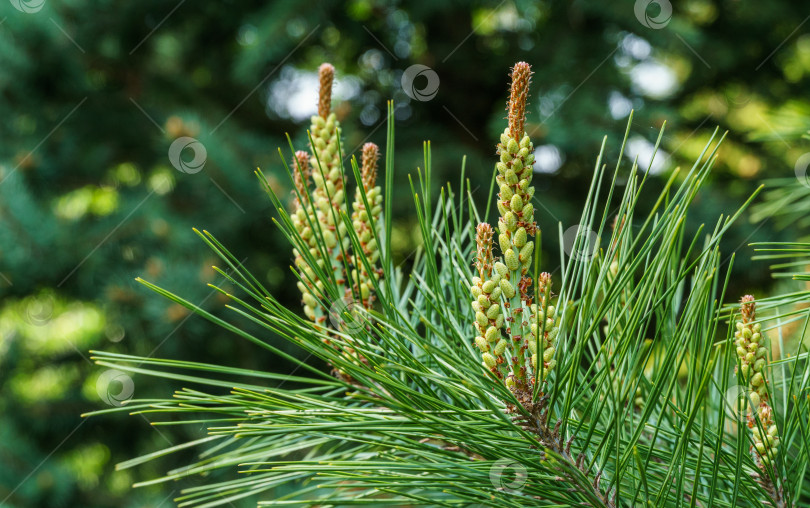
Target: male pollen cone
x,y
521,79
326,76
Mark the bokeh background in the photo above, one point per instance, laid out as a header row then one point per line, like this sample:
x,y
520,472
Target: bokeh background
x,y
94,93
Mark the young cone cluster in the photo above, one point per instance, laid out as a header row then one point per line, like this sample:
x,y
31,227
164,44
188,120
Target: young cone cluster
x,y
530,328
364,222
317,213
543,324
486,292
309,284
327,175
752,356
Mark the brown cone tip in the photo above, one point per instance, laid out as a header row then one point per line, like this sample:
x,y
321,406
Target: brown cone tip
x,y
368,171
543,282
748,308
326,76
301,172
483,240
483,235
521,80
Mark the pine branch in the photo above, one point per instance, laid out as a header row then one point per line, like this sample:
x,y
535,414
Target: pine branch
x,y
612,393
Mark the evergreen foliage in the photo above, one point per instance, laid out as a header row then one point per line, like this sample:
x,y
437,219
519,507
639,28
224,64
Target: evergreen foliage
x,y
95,93
630,408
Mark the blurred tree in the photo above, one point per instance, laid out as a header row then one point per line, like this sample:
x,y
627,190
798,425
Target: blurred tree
x,y
95,93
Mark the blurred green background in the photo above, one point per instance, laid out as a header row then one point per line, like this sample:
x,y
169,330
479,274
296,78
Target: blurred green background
x,y
94,94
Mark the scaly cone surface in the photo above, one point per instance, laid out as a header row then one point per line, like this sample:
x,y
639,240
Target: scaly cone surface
x,y
752,354
364,221
328,194
502,291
